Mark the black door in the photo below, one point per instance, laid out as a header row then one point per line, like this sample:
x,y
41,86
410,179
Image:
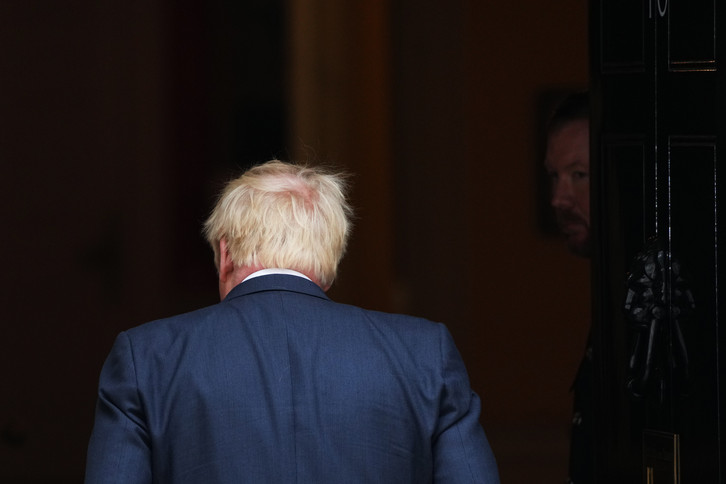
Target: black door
x,y
658,166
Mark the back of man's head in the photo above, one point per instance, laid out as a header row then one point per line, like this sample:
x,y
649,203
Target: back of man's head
x,y
281,215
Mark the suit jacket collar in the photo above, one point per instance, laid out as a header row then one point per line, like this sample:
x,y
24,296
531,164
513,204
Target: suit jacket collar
x,y
276,282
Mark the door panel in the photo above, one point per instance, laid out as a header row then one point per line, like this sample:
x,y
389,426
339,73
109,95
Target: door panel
x,y
692,34
627,175
694,241
622,30
658,118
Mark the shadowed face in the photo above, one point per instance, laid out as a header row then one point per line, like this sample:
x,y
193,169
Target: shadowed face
x,y
568,164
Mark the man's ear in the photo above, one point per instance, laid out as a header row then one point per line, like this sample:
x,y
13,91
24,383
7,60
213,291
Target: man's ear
x,y
226,266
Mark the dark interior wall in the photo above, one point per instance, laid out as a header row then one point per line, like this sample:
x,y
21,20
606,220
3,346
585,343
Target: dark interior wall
x,y
109,117
120,120
430,148
540,315
84,193
470,248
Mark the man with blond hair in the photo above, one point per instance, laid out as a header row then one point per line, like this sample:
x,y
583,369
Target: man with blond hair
x,y
277,383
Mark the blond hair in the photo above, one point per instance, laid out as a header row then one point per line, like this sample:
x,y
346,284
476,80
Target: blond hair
x,y
281,215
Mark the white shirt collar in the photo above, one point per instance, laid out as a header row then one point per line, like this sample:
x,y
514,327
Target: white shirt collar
x,y
266,272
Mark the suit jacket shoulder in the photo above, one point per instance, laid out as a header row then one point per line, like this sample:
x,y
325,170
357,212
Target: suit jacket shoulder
x,y
277,383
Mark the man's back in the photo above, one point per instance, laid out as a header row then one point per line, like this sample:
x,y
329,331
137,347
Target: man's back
x,y
279,384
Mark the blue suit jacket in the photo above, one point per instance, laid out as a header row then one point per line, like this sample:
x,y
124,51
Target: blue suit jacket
x,y
279,384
